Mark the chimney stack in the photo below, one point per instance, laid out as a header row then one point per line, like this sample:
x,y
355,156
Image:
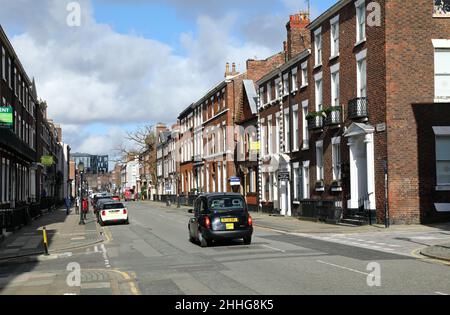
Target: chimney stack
x,y
227,70
298,36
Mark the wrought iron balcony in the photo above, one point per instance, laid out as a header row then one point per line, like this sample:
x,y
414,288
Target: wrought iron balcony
x,y
333,116
358,108
315,121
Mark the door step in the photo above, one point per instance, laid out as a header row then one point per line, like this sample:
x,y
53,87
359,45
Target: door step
x,y
354,221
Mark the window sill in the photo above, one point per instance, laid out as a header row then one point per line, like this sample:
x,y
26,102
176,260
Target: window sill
x,y
443,188
337,189
317,66
320,189
305,148
360,42
294,91
296,202
442,100
303,86
334,57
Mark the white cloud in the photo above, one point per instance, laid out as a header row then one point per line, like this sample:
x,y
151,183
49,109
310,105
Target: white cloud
x,y
93,74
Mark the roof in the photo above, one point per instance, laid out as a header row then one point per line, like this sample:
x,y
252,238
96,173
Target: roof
x,y
303,55
252,96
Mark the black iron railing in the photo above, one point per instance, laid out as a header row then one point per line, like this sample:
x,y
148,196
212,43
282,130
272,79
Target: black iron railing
x,y
323,210
315,122
333,117
358,108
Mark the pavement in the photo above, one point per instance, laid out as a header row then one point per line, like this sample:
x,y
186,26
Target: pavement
x,y
441,251
63,232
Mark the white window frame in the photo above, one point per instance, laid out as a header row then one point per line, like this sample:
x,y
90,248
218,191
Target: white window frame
x,y
294,80
287,130
441,45
306,181
335,85
269,92
285,84
3,64
269,135
304,68
277,131
295,117
360,6
318,78
336,158
305,133
360,58
335,38
318,49
320,174
277,89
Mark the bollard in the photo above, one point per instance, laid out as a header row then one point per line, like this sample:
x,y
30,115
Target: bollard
x,y
44,232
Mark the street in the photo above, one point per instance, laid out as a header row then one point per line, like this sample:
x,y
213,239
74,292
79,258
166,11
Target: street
x,y
153,256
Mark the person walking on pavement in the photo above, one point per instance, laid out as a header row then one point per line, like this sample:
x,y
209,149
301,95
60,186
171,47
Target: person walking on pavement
x,y
68,205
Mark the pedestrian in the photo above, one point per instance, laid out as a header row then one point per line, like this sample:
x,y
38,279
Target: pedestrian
x,y
77,206
68,205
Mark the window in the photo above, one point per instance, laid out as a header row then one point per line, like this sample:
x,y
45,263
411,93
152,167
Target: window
x,y
304,74
318,46
270,137
319,92
269,92
263,136
277,133
442,73
336,156
305,126
286,84
9,73
277,88
362,74
15,81
360,21
319,160
287,131
443,160
306,189
295,124
334,36
3,64
335,86
294,79
298,182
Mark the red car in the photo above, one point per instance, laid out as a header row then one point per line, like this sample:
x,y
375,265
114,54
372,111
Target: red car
x,y
115,198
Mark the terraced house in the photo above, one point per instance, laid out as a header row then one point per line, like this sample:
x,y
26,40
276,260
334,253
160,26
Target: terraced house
x,y
27,186
367,129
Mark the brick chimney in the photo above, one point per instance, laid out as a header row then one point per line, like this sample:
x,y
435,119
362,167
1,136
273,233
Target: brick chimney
x,y
298,36
227,70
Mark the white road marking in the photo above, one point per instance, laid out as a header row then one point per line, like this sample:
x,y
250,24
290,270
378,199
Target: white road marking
x,y
342,267
274,248
96,249
440,293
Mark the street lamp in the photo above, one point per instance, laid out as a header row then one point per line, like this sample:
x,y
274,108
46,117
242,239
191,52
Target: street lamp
x,y
81,171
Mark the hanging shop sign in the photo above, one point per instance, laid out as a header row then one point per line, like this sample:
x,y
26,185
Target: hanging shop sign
x,y
255,146
6,117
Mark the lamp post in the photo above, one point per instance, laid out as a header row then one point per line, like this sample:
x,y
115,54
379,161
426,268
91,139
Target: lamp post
x,y
81,171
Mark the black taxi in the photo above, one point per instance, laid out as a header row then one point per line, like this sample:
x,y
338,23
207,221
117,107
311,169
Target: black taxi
x,y
220,216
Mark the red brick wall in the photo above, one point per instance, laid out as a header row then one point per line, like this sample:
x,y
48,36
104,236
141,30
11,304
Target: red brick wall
x,y
410,79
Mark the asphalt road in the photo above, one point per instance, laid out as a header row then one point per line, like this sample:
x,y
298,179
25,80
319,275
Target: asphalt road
x,y
152,255
155,248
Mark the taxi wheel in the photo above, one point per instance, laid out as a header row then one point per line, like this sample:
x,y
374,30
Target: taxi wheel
x,y
247,240
203,241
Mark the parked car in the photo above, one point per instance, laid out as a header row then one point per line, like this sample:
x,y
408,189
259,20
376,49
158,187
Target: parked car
x,y
98,200
113,212
115,198
220,216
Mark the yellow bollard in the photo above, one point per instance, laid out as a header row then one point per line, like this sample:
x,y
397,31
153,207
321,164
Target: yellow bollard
x,y
44,232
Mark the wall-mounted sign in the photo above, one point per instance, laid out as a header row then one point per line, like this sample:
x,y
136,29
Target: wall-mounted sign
x,y
235,181
6,117
47,160
381,127
283,176
441,8
255,146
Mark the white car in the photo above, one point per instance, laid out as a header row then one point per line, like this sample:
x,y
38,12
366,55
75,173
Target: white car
x,y
113,212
